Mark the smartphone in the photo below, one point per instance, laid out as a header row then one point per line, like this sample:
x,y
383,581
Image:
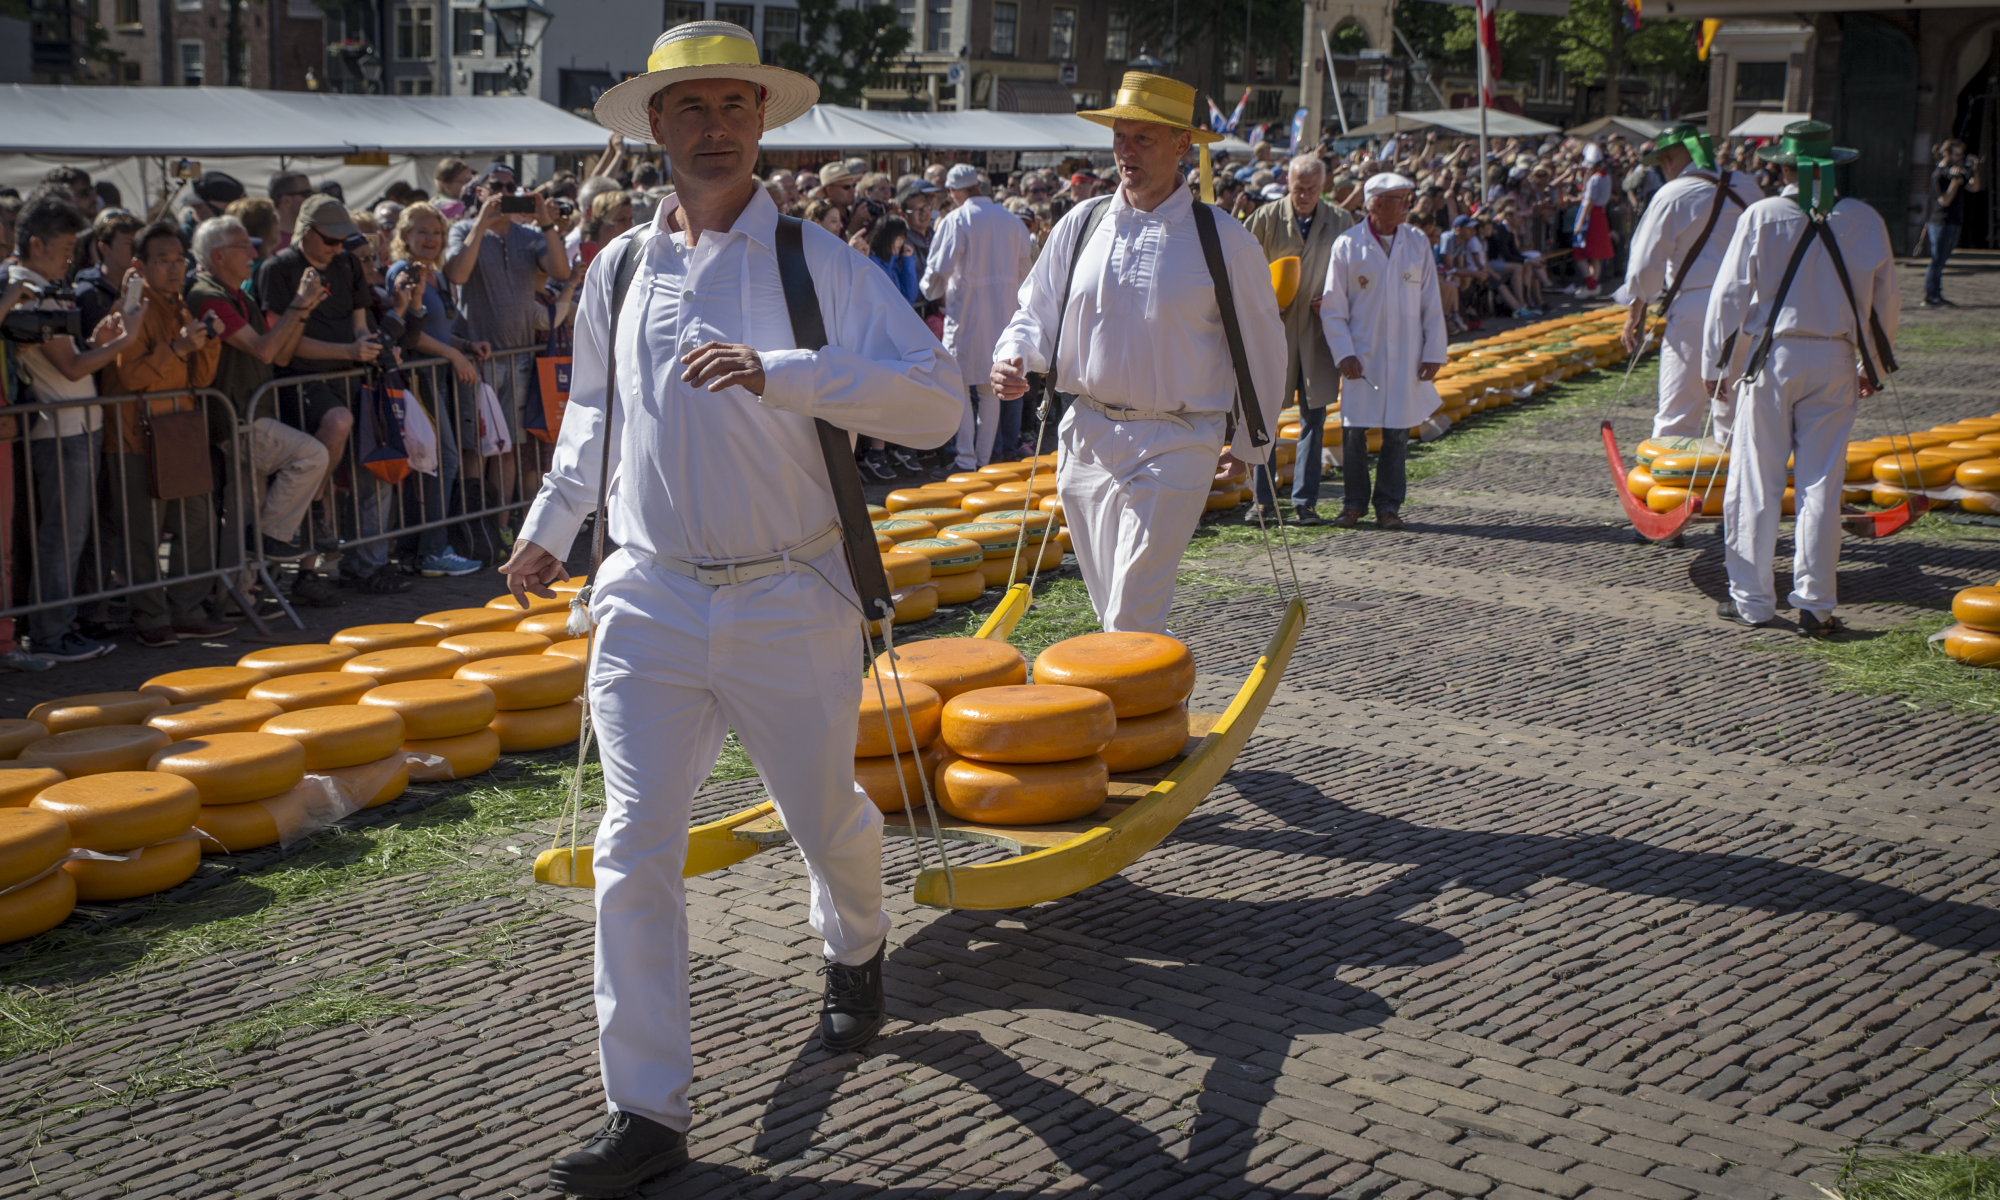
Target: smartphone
x,y
135,290
517,204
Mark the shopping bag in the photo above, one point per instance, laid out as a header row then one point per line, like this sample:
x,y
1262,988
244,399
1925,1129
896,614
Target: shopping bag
x,y
493,436
419,435
379,429
548,388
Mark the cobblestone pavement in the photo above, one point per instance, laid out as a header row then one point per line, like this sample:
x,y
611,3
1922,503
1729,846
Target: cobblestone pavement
x,y
1536,881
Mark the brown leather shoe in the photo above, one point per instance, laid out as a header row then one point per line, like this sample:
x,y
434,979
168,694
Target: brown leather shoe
x,y
1347,519
1388,520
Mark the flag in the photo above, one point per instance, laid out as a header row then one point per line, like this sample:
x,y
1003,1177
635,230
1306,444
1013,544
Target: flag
x,y
1257,133
1299,131
1238,114
1489,37
1217,123
1704,36
1630,15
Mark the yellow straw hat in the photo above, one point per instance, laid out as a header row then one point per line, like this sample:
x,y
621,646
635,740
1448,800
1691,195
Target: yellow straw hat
x,y
1156,98
704,50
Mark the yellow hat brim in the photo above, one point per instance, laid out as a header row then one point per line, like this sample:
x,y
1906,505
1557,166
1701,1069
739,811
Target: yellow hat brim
x,y
1132,112
788,95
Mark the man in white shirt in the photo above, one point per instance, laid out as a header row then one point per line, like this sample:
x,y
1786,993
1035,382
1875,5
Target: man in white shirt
x,y
979,255
1676,251
1136,334
1384,322
729,602
1792,359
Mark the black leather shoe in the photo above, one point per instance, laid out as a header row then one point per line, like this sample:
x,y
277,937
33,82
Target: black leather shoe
x,y
628,1151
1728,611
1814,627
855,1007
1306,514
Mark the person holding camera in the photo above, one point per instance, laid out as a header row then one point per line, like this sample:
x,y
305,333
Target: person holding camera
x,y
1957,173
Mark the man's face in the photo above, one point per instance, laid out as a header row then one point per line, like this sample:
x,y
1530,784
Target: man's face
x,y
455,186
1304,188
1147,153
882,192
231,261
840,191
318,248
50,259
710,128
164,266
1036,189
289,198
117,257
1388,209
85,199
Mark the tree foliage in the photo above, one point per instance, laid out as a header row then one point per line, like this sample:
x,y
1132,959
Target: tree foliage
x,y
1208,30
845,49
1584,43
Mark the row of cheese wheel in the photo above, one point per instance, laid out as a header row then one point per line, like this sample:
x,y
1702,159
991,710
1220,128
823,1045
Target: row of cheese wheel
x,y
1002,751
1965,453
1975,640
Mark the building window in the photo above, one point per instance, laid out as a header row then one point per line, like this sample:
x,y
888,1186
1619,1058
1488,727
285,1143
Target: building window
x,y
1062,34
1006,21
415,41
937,26
1267,69
1760,81
1118,37
781,28
129,15
187,5
737,14
410,86
191,71
468,32
490,83
906,14
128,74
680,12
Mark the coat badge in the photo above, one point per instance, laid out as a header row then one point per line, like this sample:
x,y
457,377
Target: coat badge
x,y
1364,282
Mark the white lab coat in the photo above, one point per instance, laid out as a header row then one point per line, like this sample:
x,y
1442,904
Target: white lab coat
x,y
979,255
1385,311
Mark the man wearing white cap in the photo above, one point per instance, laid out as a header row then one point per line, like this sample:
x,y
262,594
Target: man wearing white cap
x,y
1131,319
729,602
979,255
1384,322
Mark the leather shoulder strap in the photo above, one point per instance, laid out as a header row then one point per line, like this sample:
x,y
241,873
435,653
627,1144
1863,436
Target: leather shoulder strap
x,y
1091,220
1861,336
1723,195
623,266
1763,348
809,331
1251,413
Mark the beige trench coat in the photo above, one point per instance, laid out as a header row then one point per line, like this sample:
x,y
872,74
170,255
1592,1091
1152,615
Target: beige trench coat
x,y
1305,340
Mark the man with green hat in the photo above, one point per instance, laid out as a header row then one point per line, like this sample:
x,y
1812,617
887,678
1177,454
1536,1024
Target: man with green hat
x,y
1675,252
1799,323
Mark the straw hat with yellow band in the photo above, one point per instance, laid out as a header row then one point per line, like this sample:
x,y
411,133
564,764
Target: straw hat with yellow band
x,y
1163,101
704,50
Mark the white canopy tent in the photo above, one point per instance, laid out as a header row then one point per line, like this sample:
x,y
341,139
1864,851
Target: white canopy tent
x,y
1636,129
984,129
830,127
1768,124
1463,122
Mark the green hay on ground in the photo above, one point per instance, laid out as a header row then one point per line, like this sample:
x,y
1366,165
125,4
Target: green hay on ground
x,y
1900,662
1483,433
323,1004
1944,1175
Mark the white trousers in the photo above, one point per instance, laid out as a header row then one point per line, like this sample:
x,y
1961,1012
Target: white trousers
x,y
975,439
677,665
1133,493
1683,399
1801,406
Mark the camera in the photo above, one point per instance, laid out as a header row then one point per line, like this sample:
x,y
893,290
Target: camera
x,y
564,207
185,169
34,326
517,204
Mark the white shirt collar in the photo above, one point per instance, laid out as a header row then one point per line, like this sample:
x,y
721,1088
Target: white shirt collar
x,y
1178,204
758,221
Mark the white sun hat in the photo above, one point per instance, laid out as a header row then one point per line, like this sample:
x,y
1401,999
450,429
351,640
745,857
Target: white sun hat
x,y
704,50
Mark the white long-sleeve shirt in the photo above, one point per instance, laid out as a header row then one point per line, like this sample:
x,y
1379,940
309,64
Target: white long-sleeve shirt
x,y
718,476
979,255
1668,228
1385,310
1142,329
1739,304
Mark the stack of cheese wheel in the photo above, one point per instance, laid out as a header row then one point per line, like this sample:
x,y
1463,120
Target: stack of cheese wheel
x,y
445,719
360,746
902,529
955,574
277,661
96,708
1038,530
1053,506
1905,471
204,683
538,698
927,496
453,621
892,779
1975,640
1027,754
405,664
1146,676
496,644
1678,473
996,540
36,895
183,721
1981,475
910,590
19,785
145,817
313,689
365,638
17,734
551,625
245,781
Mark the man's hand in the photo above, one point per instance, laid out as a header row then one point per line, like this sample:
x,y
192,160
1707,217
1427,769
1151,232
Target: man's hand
x,y
1715,388
1350,367
193,338
530,569
111,328
1861,384
311,291
1009,378
1228,464
1316,303
545,210
365,350
1635,327
481,350
721,365
491,219
1428,371
462,367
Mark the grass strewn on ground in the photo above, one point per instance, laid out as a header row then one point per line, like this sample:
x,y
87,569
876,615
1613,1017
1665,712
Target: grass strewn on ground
x,y
1481,432
1880,1172
1902,662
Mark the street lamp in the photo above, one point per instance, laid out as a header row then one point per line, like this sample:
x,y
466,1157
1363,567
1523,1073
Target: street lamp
x,y
371,70
1145,62
519,25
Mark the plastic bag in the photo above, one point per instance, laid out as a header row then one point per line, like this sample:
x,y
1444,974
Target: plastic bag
x,y
493,436
420,437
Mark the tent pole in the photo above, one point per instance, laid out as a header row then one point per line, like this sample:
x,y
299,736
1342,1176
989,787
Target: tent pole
x,y
1479,37
1333,81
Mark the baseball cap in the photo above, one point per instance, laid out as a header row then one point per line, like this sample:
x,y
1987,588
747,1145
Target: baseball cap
x,y
217,189
916,187
1273,191
1079,177
329,216
962,177
1460,222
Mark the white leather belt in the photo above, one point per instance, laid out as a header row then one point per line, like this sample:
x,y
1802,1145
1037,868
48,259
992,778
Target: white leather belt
x,y
743,571
1132,414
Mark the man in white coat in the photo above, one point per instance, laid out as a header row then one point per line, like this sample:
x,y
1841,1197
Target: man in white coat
x,y
1676,251
1798,363
729,602
1384,321
979,255
1142,348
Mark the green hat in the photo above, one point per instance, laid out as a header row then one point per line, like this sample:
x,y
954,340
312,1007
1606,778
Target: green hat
x,y
1687,135
1807,143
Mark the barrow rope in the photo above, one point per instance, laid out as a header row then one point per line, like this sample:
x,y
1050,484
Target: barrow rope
x,y
887,625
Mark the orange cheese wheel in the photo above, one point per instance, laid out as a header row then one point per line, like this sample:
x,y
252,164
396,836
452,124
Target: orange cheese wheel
x,y
1141,672
401,666
17,734
884,542
872,740
1980,474
1961,454
948,556
1223,499
475,646
920,497
182,721
576,648
19,785
437,708
343,735
1052,554
996,539
1969,504
912,604
962,588
1053,505
31,841
1034,524
981,503
157,868
884,778
1001,472
574,583
949,666
1908,471
313,689
296,660
469,620
95,750
366,638
527,680
1028,723
121,809
1973,647
905,568
535,604
1639,481
1668,497
1978,608
229,768
901,529
972,481
204,683
1680,466
995,572
1146,741
97,708
464,756
1063,540
877,513
376,782
1022,793
939,517
1904,443
522,730
234,828
37,908
1043,484
1861,462
1885,496
551,625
